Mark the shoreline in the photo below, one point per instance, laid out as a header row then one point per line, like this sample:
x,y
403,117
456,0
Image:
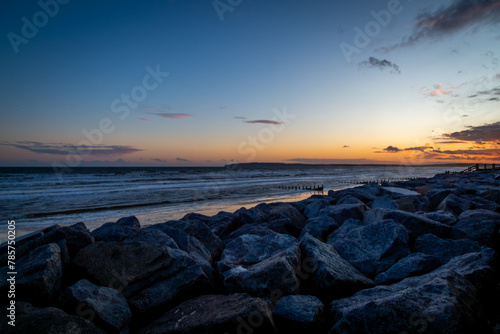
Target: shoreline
x,y
333,254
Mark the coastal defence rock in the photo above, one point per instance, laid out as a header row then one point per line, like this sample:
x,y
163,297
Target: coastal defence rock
x,y
444,249
106,307
319,227
49,320
299,314
481,226
284,211
259,265
223,224
151,277
330,276
341,213
216,314
39,275
415,264
372,248
118,231
454,204
438,302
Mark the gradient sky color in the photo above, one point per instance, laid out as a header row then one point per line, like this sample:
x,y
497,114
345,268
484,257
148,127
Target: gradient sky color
x,y
195,83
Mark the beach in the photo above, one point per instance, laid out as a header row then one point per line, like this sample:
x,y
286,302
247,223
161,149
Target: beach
x,y
400,256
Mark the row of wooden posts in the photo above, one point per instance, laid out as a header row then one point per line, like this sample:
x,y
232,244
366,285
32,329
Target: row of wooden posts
x,y
321,187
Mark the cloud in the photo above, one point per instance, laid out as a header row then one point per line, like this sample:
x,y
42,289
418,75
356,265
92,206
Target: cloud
x,y
487,132
173,115
438,91
159,160
339,161
392,149
419,148
451,142
239,117
381,64
264,121
458,15
181,159
345,146
144,119
64,149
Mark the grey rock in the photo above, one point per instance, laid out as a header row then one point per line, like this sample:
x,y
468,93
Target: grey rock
x,y
284,226
319,227
413,203
415,264
107,307
348,199
384,203
253,229
313,207
444,249
260,264
436,196
216,314
373,248
49,320
299,314
341,213
223,224
328,275
438,302
153,236
454,204
283,211
444,217
118,231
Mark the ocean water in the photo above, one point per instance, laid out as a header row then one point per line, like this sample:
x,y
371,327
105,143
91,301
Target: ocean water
x,y
39,197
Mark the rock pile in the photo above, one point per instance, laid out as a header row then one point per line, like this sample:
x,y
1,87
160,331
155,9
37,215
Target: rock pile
x,y
403,257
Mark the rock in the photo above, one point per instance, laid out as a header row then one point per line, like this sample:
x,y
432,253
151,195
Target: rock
x,y
341,213
77,236
319,227
384,203
415,264
299,314
444,217
153,236
216,314
366,193
121,230
197,216
329,276
454,204
477,202
313,207
284,226
250,216
349,200
151,277
107,308
413,203
438,302
485,232
200,231
224,224
436,196
49,320
444,249
416,225
398,192
480,214
39,275
260,264
373,248
283,211
253,229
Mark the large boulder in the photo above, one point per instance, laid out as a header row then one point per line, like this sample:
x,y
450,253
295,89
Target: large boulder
x,y
444,217
151,277
260,265
252,229
284,226
438,302
153,236
39,275
413,203
414,223
373,248
481,226
329,276
436,196
319,227
313,206
454,204
223,224
200,231
384,203
106,307
415,264
250,216
285,210
299,314
49,320
444,249
122,229
215,314
341,213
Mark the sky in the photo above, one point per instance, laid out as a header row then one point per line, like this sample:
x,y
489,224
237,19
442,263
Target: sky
x,y
210,83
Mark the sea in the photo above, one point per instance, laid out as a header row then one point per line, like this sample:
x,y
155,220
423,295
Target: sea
x,y
37,197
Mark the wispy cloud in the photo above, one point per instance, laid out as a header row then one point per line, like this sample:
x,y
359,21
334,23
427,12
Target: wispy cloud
x,y
239,117
419,148
173,115
181,159
144,119
345,146
392,149
264,121
381,64
159,160
438,91
458,15
487,133
64,149
338,161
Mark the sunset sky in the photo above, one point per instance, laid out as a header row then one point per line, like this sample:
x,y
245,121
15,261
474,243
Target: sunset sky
x,y
208,83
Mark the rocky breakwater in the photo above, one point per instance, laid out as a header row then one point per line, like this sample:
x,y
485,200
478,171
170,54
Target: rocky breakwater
x,y
404,257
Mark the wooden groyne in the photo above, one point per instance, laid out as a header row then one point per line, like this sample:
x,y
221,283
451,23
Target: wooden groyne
x,y
321,187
